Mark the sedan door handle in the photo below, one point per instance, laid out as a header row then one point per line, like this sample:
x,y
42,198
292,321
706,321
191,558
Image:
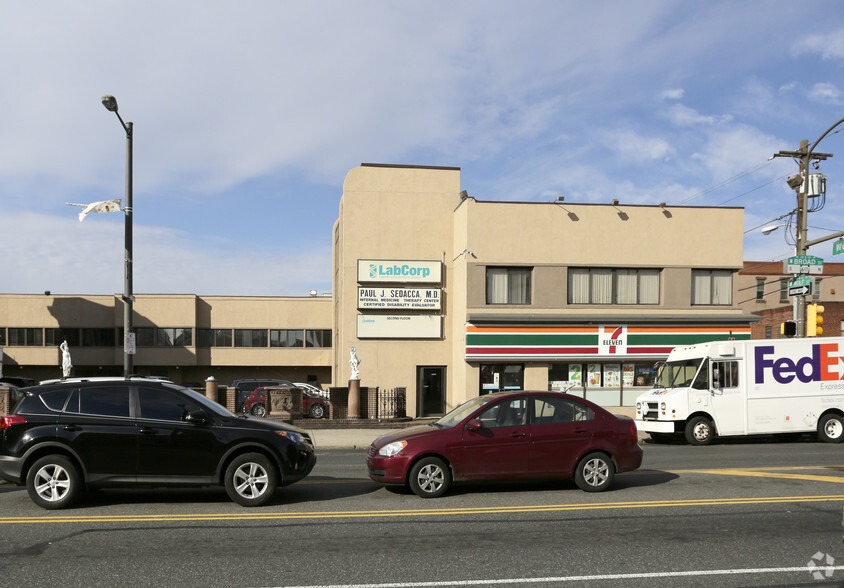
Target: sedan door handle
x,y
517,434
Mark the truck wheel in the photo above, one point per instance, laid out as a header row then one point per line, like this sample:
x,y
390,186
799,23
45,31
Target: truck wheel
x,y
699,431
831,428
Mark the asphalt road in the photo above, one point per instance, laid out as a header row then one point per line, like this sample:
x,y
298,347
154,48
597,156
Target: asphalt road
x,y
763,513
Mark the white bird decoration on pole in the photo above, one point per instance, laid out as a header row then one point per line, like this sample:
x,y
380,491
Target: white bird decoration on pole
x,y
101,206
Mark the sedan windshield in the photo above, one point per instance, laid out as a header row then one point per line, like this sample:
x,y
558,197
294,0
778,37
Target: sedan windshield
x,y
462,411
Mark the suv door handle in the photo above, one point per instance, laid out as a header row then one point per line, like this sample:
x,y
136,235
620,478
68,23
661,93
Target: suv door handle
x,y
146,431
71,428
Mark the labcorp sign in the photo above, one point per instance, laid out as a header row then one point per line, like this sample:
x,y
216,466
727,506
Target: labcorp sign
x,y
399,270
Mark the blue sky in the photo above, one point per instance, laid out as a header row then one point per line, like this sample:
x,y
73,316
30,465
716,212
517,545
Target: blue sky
x,y
248,116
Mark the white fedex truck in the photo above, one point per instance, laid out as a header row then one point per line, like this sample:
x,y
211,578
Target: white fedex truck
x,y
746,388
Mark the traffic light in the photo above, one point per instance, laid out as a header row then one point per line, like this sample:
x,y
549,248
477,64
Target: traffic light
x,y
788,329
814,320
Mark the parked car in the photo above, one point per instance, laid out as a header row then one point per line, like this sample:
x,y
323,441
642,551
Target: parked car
x,y
313,389
313,405
509,435
245,387
64,438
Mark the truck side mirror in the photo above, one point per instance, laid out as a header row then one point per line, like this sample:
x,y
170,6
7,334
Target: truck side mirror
x,y
716,378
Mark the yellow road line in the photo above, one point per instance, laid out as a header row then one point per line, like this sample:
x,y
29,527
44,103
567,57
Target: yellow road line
x,y
263,516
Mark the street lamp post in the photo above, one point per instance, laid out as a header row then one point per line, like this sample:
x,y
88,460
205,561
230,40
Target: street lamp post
x,y
128,298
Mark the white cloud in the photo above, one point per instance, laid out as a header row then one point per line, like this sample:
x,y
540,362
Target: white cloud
x,y
828,46
825,93
673,94
684,116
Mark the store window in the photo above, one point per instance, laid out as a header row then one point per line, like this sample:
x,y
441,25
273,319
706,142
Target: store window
x,y
605,383
712,287
613,286
497,377
508,285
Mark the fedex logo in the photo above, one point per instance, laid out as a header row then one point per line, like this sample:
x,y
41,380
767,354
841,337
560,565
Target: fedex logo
x,y
822,365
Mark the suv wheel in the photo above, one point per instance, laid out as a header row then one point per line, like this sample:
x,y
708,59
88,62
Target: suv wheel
x,y
251,480
259,410
53,482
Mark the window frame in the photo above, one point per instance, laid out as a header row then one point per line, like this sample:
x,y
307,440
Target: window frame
x,y
712,288
613,274
507,274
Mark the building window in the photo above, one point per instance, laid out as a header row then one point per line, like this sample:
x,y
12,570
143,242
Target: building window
x,y
2,335
768,332
287,337
26,337
816,289
250,338
508,285
318,338
760,289
613,286
712,287
214,337
92,337
56,336
173,337
784,290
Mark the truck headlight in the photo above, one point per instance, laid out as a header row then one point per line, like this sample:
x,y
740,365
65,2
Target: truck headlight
x,y
662,406
639,406
392,449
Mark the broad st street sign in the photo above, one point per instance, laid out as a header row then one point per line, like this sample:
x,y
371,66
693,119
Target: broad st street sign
x,y
803,264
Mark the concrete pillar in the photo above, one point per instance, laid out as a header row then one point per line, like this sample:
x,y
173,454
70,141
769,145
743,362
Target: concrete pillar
x,y
211,388
353,410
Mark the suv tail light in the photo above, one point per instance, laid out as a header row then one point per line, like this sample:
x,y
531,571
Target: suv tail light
x,y
8,421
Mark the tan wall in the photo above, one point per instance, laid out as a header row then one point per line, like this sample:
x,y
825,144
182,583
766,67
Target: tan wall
x,y
393,213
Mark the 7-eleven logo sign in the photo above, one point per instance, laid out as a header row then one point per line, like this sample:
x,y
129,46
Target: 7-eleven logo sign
x,y
612,340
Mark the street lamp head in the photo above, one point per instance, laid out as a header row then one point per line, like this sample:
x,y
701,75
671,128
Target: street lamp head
x,y
110,102
770,229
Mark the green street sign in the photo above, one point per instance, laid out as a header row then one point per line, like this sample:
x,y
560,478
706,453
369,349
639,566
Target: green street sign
x,y
803,264
838,247
800,286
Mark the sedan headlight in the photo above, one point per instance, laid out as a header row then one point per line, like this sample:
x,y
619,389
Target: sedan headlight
x,y
392,449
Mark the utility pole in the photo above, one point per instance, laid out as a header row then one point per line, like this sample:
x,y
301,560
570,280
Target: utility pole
x,y
804,155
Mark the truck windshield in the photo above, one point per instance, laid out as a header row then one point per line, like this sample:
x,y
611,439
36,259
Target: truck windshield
x,y
677,374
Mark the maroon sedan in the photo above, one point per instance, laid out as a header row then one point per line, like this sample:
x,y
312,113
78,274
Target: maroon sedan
x,y
509,435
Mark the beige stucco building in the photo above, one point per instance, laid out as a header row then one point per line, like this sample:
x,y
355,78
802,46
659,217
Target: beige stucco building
x,y
440,293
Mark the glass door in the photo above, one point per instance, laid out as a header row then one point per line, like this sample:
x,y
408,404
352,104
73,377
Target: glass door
x,y
430,386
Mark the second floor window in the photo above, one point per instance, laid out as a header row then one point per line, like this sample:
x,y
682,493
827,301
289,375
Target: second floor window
x,y
613,286
508,285
287,338
250,338
214,338
713,287
760,289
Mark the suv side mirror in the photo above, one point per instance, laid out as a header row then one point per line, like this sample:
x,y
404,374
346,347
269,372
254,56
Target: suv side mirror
x,y
197,417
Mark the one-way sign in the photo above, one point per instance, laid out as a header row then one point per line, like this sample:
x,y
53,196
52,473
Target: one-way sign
x,y
800,286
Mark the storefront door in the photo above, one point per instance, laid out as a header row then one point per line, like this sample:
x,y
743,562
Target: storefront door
x,y
496,377
431,390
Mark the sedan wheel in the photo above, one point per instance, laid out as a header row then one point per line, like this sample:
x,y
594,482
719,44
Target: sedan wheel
x,y
595,473
317,411
251,480
53,482
429,478
259,410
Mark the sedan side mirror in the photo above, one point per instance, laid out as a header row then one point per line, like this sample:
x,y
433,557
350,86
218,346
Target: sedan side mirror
x,y
474,425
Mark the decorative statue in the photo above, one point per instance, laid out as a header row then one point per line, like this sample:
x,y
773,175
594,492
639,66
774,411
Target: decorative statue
x,y
66,365
354,362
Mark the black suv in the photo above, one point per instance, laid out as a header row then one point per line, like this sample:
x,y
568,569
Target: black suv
x,y
64,437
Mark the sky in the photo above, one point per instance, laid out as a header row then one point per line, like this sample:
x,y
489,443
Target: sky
x,y
248,115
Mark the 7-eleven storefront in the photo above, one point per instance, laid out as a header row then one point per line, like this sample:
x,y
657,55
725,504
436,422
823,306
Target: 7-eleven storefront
x,y
607,364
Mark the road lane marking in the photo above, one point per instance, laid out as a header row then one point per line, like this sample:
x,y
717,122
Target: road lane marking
x,y
773,472
264,516
559,579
